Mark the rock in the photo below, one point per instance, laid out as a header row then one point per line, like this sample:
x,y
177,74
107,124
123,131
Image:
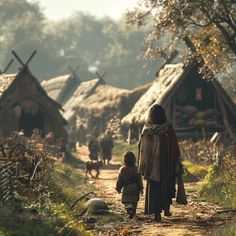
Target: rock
x,y
96,206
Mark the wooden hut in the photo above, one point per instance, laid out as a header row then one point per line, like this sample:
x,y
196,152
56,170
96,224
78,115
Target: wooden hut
x,y
24,105
195,106
97,106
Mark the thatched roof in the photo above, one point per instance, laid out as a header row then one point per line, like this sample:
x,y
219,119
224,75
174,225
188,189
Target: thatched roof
x,y
54,86
84,90
157,93
61,88
104,97
24,86
5,81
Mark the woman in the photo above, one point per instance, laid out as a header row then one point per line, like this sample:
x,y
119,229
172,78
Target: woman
x,y
159,156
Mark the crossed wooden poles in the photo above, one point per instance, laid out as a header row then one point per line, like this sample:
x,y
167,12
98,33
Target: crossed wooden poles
x,y
19,60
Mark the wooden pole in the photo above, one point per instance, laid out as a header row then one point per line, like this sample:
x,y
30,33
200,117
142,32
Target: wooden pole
x,y
129,135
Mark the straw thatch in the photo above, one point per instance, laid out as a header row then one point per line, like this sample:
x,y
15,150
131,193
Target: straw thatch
x,y
157,93
23,91
104,108
83,91
5,81
61,88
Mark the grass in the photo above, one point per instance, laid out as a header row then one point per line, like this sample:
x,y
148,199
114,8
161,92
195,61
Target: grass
x,y
220,187
45,210
194,172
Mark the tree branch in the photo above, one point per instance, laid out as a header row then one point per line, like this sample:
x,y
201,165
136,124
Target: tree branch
x,y
193,22
149,11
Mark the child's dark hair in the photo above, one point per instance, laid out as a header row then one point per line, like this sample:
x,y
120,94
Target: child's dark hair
x,y
129,159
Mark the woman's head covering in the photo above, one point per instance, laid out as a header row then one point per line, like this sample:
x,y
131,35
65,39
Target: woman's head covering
x,y
156,115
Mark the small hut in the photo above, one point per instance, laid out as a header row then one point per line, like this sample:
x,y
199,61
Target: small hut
x,y
104,108
24,105
195,106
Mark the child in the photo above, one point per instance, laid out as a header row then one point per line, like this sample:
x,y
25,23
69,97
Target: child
x,y
131,182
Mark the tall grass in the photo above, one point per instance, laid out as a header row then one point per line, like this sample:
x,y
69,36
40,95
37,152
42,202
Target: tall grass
x,y
45,209
220,187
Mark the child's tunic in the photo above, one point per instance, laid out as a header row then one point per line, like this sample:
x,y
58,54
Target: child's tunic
x,y
131,182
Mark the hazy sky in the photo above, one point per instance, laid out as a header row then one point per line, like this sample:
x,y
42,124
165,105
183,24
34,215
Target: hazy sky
x,y
57,9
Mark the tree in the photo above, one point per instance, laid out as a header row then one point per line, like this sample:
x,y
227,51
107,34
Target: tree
x,y
79,40
210,24
21,30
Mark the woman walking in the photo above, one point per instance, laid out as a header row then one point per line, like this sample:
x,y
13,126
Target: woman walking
x,y
158,162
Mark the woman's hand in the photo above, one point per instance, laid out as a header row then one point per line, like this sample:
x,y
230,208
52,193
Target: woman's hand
x,y
179,170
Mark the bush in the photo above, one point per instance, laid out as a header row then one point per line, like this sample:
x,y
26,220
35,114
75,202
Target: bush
x,y
220,187
45,210
194,172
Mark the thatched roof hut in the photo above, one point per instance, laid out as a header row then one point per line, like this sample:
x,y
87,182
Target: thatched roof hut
x,y
24,105
104,108
191,102
82,92
61,88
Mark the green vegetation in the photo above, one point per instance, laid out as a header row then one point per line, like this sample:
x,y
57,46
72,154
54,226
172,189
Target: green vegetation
x,y
219,186
228,230
207,23
194,172
79,40
45,209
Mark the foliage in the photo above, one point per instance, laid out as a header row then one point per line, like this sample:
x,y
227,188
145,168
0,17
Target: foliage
x,y
25,223
219,186
228,230
210,24
194,172
45,209
79,40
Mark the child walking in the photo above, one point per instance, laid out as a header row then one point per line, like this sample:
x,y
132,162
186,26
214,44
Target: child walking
x,y
130,182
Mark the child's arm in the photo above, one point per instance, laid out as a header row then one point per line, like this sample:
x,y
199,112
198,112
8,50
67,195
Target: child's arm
x,y
119,183
140,183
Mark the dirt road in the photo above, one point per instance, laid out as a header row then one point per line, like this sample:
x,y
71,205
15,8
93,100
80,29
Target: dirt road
x,y
196,218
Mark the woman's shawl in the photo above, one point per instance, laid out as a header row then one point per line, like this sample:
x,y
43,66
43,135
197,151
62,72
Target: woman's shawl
x,y
153,139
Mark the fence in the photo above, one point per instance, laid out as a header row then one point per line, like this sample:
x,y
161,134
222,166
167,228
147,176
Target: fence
x,y
6,182
199,152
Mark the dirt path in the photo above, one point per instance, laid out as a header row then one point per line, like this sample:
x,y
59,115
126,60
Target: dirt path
x,y
196,218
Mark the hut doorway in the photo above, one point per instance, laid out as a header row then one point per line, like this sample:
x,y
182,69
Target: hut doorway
x,y
28,122
30,117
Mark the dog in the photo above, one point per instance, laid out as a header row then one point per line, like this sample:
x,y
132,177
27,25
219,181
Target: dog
x,y
93,165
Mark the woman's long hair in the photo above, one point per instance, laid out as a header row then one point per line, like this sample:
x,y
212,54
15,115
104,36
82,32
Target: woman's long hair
x,y
156,115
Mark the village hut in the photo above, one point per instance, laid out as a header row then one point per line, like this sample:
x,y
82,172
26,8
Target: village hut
x,y
24,105
82,92
61,88
197,107
104,108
